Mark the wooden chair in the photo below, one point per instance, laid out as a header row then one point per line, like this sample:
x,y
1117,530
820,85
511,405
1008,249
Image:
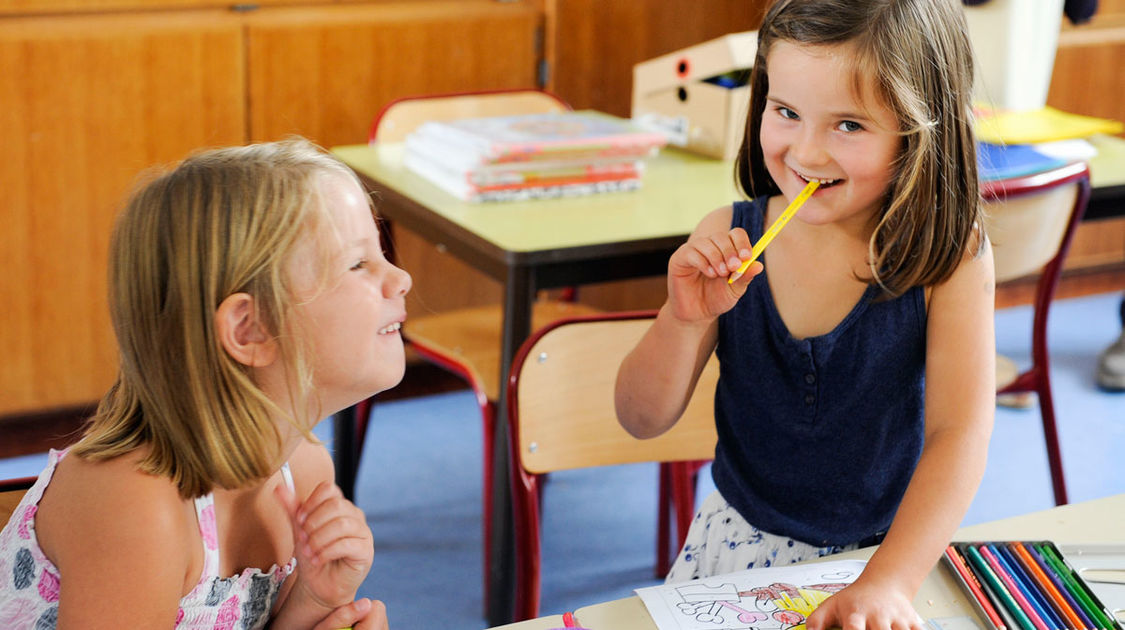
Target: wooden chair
x,y
561,416
465,341
11,492
1031,223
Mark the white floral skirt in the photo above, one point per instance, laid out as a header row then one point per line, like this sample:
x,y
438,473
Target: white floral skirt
x,y
721,541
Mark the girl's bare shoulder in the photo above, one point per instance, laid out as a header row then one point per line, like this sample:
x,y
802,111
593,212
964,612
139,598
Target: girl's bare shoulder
x,y
104,504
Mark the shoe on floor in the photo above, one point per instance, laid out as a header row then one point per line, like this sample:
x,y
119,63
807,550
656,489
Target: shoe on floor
x,y
1006,372
1111,366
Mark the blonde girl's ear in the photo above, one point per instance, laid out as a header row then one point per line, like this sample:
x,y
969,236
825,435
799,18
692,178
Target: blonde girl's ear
x,y
241,334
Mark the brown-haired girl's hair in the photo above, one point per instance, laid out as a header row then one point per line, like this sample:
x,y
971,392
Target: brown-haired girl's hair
x,y
917,55
222,222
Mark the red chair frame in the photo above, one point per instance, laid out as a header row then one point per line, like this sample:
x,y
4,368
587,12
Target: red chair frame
x,y
1037,378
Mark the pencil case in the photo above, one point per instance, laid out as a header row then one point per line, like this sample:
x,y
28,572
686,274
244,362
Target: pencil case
x,y
1026,585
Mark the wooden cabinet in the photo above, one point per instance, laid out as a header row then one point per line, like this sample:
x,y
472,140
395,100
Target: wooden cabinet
x,y
89,100
86,103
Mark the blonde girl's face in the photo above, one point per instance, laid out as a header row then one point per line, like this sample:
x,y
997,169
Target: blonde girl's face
x,y
815,127
351,312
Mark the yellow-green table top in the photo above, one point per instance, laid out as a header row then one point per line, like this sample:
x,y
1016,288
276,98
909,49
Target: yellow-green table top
x,y
677,190
1107,168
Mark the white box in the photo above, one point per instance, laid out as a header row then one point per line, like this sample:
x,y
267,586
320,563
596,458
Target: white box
x,y
672,94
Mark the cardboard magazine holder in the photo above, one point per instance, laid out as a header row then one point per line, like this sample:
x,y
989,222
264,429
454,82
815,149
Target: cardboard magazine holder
x,y
698,95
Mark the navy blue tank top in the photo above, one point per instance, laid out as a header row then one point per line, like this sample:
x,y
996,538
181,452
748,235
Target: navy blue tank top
x,y
818,437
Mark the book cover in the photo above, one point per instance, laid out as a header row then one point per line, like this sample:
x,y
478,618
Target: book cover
x,y
427,148
1005,161
552,136
536,186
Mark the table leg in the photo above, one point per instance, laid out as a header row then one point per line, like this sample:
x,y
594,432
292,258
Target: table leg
x,y
344,455
519,293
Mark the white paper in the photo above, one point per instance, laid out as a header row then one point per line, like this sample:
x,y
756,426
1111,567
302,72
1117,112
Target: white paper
x,y
775,598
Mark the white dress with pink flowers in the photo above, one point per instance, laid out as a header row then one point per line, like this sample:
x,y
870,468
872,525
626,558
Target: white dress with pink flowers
x,y
29,581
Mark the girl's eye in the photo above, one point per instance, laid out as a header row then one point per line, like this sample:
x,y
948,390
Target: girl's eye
x,y
359,264
787,113
850,126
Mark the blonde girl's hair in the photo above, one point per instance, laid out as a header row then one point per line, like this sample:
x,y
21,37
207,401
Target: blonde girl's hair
x,y
223,221
918,54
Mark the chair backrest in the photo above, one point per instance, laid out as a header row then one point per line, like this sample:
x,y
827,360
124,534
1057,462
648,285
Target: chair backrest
x,y
1031,219
561,411
402,116
11,492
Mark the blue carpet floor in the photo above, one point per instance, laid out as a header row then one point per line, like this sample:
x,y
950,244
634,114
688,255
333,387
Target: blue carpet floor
x,y
419,483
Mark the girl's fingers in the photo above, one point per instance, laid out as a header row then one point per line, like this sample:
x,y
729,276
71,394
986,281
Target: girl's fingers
x,y
353,550
691,258
324,493
349,616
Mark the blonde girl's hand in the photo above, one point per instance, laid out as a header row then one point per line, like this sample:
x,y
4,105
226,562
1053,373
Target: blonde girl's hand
x,y
866,606
332,544
362,614
698,290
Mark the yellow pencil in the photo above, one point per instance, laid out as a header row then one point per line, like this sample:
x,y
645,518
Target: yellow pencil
x,y
760,246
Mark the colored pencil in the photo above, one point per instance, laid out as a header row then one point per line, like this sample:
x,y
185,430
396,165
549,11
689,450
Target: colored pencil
x,y
1047,586
1077,588
1028,587
990,577
1057,580
970,581
1013,588
773,230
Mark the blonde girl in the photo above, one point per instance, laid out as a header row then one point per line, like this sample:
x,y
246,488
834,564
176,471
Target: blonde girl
x,y
250,297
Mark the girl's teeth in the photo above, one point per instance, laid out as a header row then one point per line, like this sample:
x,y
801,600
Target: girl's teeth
x,y
822,182
390,329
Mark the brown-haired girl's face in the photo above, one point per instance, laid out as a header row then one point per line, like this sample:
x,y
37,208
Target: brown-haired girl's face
x,y
816,127
350,312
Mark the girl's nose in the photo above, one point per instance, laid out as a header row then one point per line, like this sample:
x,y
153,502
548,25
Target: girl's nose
x,y
398,282
808,148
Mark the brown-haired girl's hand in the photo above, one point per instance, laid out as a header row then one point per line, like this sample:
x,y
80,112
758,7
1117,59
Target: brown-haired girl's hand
x,y
332,544
698,290
866,606
362,614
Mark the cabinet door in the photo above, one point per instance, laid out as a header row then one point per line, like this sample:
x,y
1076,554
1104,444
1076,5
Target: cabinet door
x,y
325,72
592,45
87,103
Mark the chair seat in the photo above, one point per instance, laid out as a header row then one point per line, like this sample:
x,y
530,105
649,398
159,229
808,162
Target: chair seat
x,y
469,336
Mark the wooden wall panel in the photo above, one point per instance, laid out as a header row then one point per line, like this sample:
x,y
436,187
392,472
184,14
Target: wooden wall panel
x,y
1089,78
593,45
325,72
86,104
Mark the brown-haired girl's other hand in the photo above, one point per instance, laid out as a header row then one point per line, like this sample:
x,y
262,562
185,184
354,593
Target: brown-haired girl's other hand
x,y
865,605
698,290
332,543
362,614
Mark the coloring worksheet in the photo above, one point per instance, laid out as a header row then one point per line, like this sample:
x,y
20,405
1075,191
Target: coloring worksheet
x,y
775,598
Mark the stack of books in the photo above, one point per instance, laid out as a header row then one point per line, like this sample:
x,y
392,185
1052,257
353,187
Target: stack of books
x,y
533,156
1018,143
